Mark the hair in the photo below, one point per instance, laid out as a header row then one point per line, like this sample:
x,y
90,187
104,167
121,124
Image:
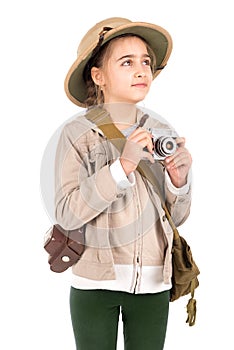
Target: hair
x,y
94,94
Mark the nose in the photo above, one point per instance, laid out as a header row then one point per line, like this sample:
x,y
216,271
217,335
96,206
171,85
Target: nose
x,y
139,75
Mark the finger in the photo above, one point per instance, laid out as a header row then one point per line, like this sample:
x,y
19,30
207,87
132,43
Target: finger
x,y
180,141
179,161
143,139
178,152
139,133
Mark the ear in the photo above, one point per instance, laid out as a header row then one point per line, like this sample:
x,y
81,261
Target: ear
x,y
97,76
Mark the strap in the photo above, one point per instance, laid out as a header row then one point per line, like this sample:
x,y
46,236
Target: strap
x,y
191,306
102,119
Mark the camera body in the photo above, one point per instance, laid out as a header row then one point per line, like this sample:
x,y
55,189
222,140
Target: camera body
x,y
164,142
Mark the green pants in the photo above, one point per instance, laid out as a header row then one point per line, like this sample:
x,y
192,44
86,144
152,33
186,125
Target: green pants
x,y
95,316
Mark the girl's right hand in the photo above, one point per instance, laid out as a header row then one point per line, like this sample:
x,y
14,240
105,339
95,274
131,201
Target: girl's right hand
x,y
133,151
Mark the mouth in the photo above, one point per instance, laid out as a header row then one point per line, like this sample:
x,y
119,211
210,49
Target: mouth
x,y
140,85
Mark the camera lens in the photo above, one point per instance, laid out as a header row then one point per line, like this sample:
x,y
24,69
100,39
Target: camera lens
x,y
164,146
169,145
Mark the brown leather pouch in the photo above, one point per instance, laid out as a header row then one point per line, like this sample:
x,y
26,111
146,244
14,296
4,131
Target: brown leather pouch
x,y
64,247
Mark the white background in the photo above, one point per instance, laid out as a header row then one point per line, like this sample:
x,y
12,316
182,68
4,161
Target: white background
x,y
195,94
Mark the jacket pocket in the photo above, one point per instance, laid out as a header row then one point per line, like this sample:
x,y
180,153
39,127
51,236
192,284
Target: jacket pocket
x,y
99,156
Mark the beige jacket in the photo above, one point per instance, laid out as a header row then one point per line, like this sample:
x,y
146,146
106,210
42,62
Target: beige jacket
x,y
125,226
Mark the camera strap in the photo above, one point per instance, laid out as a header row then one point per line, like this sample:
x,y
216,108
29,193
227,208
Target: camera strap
x,y
102,119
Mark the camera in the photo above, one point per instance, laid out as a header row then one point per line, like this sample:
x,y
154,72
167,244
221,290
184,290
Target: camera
x,y
164,143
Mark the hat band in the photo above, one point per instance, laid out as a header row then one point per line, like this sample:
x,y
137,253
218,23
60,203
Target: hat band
x,y
101,38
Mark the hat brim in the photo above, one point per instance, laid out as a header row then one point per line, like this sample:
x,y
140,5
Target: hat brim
x,y
157,37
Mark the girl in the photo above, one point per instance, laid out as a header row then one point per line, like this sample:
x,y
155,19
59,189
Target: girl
x,y
126,266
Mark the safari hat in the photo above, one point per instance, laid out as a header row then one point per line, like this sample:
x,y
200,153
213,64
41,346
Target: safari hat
x,y
157,37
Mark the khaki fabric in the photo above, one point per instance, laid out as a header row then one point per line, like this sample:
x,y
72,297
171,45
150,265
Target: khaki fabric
x,y
119,223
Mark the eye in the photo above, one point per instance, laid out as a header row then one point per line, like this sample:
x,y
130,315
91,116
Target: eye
x,y
127,62
147,62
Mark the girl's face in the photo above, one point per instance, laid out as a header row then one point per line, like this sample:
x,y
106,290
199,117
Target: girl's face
x,y
126,74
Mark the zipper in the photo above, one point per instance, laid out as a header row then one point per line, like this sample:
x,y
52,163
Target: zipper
x,y
137,253
137,247
137,274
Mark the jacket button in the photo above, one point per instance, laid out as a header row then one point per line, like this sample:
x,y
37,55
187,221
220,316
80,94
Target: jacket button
x,y
164,218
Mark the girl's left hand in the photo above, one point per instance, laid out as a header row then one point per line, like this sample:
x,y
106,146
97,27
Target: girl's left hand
x,y
178,164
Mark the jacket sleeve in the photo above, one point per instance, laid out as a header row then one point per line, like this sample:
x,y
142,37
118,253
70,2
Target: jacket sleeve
x,y
82,192
178,203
